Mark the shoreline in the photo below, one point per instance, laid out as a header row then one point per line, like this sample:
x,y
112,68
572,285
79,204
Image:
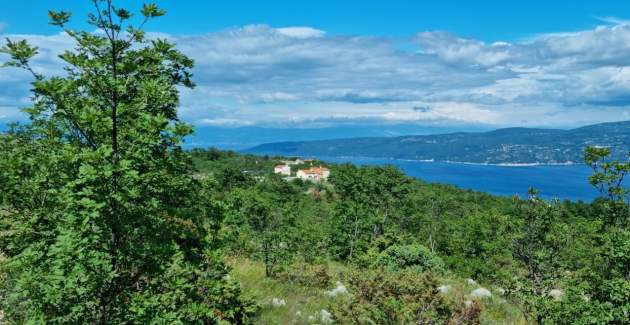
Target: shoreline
x,y
515,164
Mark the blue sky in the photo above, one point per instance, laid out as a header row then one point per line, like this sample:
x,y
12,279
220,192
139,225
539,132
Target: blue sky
x,y
488,20
329,63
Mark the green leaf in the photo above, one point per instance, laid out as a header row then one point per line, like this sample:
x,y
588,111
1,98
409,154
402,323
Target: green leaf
x,y
20,52
59,18
151,10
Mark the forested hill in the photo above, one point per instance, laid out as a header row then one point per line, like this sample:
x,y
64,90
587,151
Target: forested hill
x,y
502,146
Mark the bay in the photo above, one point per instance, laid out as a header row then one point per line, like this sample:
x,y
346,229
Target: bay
x,y
568,182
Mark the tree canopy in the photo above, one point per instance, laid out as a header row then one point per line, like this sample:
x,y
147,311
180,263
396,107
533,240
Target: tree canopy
x,y
102,219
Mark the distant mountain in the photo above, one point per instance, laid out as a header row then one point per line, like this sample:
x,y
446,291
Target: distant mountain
x,y
502,146
239,138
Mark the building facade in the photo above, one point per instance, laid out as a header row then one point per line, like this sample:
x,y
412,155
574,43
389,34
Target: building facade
x,y
283,170
315,174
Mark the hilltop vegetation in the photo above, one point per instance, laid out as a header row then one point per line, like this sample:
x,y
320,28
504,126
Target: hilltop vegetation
x,y
105,219
539,260
503,146
102,219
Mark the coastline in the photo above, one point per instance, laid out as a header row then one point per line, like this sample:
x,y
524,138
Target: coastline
x,y
510,164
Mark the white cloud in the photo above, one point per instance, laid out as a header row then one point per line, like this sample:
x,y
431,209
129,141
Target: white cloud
x,y
223,122
455,50
301,32
257,74
614,20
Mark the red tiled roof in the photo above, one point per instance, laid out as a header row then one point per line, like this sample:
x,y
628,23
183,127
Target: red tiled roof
x,y
315,170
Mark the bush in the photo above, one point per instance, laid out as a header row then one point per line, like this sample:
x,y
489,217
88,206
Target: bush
x,y
399,257
406,297
469,315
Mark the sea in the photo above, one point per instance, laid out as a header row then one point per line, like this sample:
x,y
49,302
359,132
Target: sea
x,y
564,182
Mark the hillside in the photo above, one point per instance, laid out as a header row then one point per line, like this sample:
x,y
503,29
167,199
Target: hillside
x,y
373,246
502,146
239,138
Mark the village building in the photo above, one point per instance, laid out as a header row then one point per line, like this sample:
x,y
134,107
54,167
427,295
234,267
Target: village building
x,y
283,170
296,161
315,174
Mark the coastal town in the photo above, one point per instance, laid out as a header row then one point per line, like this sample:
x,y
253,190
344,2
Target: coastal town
x,y
312,173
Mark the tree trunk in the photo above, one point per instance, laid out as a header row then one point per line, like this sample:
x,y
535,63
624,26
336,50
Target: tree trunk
x,y
354,238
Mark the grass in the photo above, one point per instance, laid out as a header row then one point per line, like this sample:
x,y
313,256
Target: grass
x,y
301,301
496,310
304,301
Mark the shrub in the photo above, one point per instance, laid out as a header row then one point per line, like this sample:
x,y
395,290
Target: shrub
x,y
469,315
399,257
321,278
406,297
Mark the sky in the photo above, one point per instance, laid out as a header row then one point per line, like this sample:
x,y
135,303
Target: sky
x,y
329,63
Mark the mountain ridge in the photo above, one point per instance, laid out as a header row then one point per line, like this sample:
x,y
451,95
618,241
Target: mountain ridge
x,y
515,145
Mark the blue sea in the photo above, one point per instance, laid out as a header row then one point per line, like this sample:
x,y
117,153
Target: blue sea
x,y
553,181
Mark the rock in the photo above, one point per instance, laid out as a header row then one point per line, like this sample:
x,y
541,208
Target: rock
x,y
277,302
445,288
481,293
556,294
501,291
471,281
326,317
339,290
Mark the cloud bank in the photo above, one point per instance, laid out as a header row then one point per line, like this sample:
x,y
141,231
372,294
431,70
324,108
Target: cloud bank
x,y
300,76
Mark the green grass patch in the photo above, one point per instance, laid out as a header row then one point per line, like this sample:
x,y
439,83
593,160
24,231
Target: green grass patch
x,y
303,303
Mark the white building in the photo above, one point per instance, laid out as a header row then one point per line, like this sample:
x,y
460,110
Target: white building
x,y
315,174
296,161
283,170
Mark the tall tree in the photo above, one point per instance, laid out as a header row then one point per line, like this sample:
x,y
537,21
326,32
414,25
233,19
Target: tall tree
x,y
102,219
267,224
609,177
537,245
370,203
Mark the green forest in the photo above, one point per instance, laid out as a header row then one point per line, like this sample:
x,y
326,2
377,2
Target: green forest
x,y
106,219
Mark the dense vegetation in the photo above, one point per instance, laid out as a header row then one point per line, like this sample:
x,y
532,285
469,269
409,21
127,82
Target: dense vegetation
x,y
503,146
556,262
102,219
105,219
